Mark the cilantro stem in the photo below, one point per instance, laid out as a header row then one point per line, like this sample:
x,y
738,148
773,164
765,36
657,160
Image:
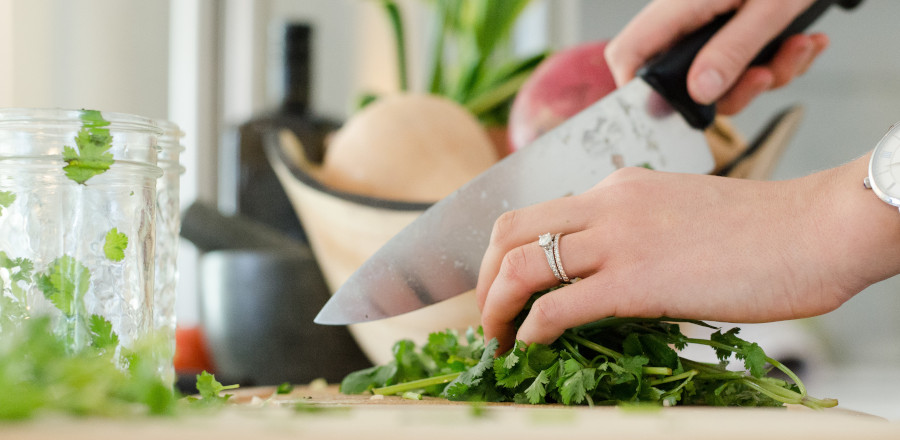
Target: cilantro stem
x,y
686,375
657,371
581,359
593,346
771,361
789,373
401,388
777,395
689,377
651,371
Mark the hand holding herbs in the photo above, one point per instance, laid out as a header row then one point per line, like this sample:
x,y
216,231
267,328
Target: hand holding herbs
x,y
611,361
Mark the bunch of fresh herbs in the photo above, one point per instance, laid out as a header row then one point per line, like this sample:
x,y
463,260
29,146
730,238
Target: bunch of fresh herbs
x,y
611,361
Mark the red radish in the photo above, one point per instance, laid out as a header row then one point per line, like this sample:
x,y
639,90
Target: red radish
x,y
564,84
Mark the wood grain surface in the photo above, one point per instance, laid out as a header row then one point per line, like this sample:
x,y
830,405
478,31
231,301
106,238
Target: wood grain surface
x,y
259,414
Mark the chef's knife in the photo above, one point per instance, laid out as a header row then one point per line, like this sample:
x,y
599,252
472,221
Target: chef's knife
x,y
651,121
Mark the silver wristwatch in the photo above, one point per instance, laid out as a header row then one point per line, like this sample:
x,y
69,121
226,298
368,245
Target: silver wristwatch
x,y
884,167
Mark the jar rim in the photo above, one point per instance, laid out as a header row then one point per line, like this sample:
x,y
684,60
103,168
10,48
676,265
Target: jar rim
x,y
170,139
118,121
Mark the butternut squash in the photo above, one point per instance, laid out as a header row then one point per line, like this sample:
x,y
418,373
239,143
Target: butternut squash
x,y
409,147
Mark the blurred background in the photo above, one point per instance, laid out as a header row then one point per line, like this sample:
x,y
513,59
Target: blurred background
x,y
212,66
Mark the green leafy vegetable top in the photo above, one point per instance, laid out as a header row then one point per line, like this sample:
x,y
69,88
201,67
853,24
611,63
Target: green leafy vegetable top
x,y
93,142
611,361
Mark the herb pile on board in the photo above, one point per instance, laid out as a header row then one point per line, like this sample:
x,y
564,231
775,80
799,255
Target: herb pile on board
x,y
611,361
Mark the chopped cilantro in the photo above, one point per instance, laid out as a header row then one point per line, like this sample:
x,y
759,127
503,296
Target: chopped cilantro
x,y
210,389
92,156
115,244
284,388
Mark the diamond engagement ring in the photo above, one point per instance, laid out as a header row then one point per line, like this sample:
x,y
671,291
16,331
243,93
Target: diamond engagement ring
x,y
545,241
550,244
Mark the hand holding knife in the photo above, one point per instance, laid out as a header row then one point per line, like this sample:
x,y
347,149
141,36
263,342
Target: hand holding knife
x,y
439,255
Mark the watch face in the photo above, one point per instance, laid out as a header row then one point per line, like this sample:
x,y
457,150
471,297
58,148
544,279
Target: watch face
x,y
884,167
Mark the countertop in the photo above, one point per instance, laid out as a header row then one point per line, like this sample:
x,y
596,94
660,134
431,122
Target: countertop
x,y
259,415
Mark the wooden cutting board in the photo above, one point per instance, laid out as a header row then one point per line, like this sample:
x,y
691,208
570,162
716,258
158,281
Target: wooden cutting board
x,y
326,414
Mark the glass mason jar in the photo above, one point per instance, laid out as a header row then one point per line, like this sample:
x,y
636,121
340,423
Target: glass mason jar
x,y
168,227
77,224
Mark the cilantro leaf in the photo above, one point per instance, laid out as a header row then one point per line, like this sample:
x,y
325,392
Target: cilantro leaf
x,y
102,334
115,244
751,353
409,363
470,385
64,283
512,369
93,142
6,198
366,379
755,360
538,388
576,382
19,271
210,389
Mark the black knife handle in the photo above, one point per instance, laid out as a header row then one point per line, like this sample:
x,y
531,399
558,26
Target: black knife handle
x,y
667,73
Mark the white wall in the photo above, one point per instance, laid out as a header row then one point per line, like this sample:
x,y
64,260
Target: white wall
x,y
104,54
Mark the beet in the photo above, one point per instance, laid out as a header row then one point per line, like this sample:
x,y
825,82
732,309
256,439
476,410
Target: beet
x,y
562,85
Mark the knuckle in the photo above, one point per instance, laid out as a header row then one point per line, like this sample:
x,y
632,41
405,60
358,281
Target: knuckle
x,y
503,227
627,174
514,267
612,52
629,181
543,312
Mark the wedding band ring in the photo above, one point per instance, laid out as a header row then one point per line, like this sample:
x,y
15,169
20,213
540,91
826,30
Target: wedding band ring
x,y
559,268
545,241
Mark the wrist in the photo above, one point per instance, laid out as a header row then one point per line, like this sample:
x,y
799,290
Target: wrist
x,y
860,232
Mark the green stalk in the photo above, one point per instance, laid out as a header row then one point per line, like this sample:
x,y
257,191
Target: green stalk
x,y
771,361
769,392
686,375
393,12
789,373
650,371
593,346
657,371
581,359
437,52
401,388
496,95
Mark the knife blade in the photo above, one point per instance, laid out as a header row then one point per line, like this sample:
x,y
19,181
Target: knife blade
x,y
651,121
